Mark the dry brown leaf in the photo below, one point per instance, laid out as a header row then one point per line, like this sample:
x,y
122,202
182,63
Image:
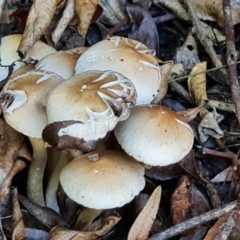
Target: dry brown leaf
x,y
213,230
18,228
60,233
67,16
187,202
112,11
85,218
165,72
143,223
10,143
85,10
39,19
197,83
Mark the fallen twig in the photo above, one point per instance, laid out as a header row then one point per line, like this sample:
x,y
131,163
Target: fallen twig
x,y
194,222
228,154
231,56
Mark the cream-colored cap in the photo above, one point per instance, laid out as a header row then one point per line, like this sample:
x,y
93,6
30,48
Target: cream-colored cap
x,y
8,52
23,100
128,57
103,179
155,135
86,107
61,62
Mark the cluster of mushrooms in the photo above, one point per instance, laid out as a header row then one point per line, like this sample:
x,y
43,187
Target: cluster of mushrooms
x,y
71,100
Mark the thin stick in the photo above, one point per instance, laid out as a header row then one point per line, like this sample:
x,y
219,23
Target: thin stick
x,y
194,222
228,154
114,29
231,56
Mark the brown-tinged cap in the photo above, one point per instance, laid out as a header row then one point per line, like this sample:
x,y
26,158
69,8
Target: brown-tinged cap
x,y
61,62
23,100
128,57
8,52
155,135
103,179
87,106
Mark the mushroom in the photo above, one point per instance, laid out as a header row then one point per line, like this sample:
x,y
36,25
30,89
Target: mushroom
x,y
155,135
8,53
61,62
23,101
128,57
103,179
85,108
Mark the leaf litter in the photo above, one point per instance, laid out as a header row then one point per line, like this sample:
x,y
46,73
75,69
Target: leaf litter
x,y
200,194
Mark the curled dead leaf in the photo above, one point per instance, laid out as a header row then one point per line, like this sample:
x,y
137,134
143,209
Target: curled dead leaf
x,y
85,10
143,223
39,19
197,83
67,16
61,233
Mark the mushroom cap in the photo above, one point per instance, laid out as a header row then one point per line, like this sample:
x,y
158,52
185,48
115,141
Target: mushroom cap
x,y
87,107
155,135
24,98
103,179
8,52
128,57
61,62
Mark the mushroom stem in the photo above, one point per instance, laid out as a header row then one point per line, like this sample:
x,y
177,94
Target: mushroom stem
x,y
52,186
36,171
53,182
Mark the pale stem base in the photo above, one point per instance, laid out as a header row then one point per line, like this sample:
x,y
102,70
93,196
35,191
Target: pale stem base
x,y
36,171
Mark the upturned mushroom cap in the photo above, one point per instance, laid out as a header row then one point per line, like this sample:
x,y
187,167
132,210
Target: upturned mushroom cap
x,y
103,179
155,135
86,107
23,100
8,52
61,62
128,57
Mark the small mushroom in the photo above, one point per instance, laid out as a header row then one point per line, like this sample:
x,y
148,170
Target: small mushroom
x,y
103,179
61,62
8,53
85,108
23,101
128,57
155,135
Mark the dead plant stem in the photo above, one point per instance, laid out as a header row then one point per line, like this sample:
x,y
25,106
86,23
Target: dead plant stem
x,y
231,56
